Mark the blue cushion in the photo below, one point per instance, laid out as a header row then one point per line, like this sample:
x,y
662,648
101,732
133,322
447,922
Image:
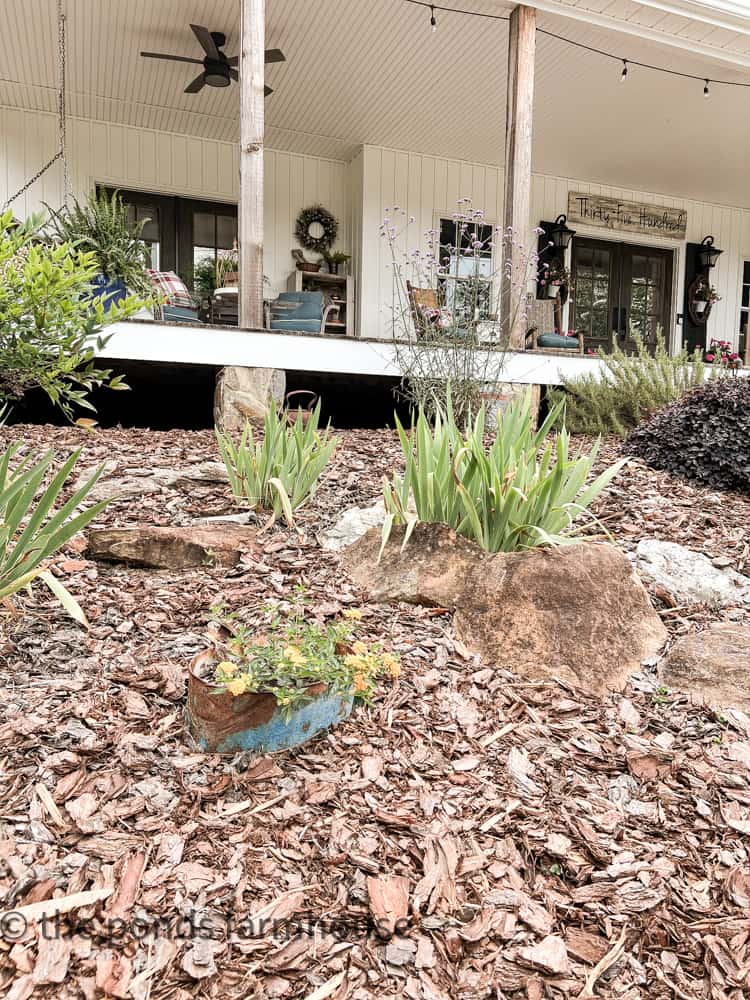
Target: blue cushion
x,y
557,340
297,325
180,314
309,305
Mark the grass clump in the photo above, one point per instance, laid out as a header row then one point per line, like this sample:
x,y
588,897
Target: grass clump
x,y
281,471
519,493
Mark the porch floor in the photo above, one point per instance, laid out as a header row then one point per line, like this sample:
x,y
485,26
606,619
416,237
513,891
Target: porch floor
x,y
186,343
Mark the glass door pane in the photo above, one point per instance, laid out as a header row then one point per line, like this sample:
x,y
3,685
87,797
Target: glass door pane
x,y
595,294
646,296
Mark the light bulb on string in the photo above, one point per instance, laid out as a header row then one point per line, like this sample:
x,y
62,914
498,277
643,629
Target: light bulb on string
x,y
705,90
624,74
433,20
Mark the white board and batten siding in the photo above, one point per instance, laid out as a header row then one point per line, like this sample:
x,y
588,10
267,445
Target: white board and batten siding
x,y
171,164
427,187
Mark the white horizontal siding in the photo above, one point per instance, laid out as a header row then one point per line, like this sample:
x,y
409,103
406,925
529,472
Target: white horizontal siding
x,y
145,160
427,186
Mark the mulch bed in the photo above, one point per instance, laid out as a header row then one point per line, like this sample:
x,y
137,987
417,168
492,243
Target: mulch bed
x,y
548,844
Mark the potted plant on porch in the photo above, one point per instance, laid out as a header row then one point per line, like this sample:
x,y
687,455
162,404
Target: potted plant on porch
x,y
555,277
270,690
705,296
100,225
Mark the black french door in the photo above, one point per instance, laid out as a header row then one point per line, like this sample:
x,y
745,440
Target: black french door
x,y
620,290
181,231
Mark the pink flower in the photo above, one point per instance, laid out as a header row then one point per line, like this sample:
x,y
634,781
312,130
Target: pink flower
x,y
709,357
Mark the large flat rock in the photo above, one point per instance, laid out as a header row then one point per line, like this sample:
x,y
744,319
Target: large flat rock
x,y
712,666
578,613
219,544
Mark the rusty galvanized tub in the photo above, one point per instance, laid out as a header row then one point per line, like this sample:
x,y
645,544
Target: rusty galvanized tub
x,y
223,723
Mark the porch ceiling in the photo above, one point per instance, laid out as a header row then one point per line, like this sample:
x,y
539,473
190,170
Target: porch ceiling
x,y
370,71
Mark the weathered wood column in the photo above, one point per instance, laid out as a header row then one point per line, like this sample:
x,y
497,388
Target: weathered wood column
x,y
517,201
252,84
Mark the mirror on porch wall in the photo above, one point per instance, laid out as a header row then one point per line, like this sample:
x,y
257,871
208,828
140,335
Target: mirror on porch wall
x,y
621,289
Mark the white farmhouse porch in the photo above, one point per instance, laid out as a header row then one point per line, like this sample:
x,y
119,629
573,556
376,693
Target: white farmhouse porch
x,y
373,109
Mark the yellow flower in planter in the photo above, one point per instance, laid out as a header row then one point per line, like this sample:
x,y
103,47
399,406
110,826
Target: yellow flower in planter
x,y
360,648
391,664
294,655
353,614
226,668
360,683
356,662
237,687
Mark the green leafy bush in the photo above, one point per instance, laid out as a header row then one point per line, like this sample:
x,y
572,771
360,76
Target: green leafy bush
x,y
704,436
30,531
100,226
280,472
504,498
49,323
632,387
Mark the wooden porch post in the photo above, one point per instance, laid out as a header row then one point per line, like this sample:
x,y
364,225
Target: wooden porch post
x,y
252,84
517,201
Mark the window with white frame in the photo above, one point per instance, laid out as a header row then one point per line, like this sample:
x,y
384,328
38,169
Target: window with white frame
x,y
744,307
465,268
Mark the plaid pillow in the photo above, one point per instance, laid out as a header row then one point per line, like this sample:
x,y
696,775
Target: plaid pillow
x,y
172,288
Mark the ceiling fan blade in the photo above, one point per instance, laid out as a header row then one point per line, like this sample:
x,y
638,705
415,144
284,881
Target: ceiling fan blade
x,y
204,37
163,55
267,91
234,75
272,56
197,84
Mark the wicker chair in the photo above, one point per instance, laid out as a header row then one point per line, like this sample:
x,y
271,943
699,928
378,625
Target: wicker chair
x,y
421,300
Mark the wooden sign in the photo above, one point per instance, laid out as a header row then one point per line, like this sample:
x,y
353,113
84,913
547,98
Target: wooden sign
x,y
627,216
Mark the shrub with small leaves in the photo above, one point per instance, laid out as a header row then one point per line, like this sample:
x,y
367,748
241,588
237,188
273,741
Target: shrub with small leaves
x,y
704,436
632,387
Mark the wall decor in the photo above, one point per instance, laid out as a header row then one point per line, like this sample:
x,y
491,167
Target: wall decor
x,y
316,229
627,216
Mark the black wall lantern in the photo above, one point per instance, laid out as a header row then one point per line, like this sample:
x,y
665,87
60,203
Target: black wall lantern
x,y
561,236
708,254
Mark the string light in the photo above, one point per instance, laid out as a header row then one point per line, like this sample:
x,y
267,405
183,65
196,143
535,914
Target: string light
x,y
579,45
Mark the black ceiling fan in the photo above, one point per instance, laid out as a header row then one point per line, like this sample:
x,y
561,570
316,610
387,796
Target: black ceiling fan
x,y
218,69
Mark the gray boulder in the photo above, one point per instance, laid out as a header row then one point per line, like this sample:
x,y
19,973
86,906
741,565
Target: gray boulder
x,y
690,577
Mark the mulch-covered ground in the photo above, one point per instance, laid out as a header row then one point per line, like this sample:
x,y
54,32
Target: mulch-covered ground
x,y
549,844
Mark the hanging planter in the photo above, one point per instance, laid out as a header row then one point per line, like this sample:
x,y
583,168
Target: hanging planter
x,y
275,690
552,290
700,306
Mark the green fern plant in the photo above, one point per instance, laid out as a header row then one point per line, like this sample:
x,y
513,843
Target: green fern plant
x,y
506,497
100,225
280,472
30,530
630,389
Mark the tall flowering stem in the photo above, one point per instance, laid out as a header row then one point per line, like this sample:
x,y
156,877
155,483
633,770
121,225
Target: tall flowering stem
x,y
445,306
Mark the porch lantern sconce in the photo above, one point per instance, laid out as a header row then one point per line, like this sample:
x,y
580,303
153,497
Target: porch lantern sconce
x,y
560,235
708,253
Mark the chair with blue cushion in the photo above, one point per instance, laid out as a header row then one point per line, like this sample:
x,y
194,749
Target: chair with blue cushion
x,y
300,312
